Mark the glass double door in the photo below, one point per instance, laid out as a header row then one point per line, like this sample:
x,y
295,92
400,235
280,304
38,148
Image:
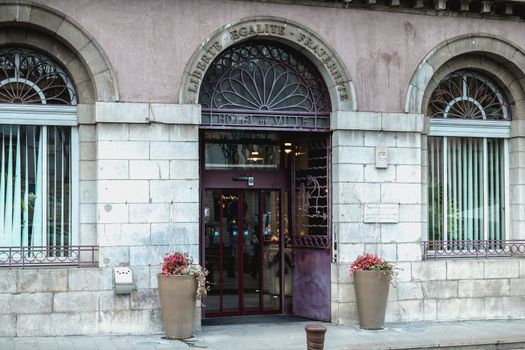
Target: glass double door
x,y
242,242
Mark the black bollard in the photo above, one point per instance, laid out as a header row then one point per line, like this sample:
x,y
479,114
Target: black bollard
x,y
315,336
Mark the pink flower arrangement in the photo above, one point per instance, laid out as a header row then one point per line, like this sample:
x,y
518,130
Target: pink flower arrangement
x,y
372,262
174,264
178,263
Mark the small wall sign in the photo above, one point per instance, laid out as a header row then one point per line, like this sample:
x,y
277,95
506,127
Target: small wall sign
x,y
381,213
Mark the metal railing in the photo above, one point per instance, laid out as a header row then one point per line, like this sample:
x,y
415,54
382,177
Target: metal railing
x,y
79,256
472,249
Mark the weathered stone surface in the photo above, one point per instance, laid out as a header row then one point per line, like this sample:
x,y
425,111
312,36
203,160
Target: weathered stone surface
x,y
464,269
95,279
483,288
112,169
174,150
502,268
42,280
440,289
8,281
75,302
123,150
123,191
109,301
404,311
184,169
113,256
356,193
147,169
459,308
129,321
56,324
145,299
8,328
112,132
429,270
111,112
149,213
167,191
112,213
409,291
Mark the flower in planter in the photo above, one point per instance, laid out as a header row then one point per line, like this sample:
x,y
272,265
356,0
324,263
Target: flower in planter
x,y
177,263
373,262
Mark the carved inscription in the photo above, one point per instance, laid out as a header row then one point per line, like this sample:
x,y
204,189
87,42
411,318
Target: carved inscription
x,y
381,213
265,120
287,31
255,29
331,65
208,53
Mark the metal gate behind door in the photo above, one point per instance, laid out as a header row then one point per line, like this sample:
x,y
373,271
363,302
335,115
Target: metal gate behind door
x,y
312,257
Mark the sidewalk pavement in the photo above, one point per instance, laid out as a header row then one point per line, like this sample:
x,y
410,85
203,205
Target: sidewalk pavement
x,y
496,334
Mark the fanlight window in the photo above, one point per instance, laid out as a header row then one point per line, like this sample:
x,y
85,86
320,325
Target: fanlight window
x,y
30,77
264,78
468,95
37,221
468,166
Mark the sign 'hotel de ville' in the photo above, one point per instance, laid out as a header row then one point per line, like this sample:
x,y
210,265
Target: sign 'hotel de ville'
x,y
273,141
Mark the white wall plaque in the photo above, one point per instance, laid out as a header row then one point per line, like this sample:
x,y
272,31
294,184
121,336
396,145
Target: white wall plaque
x,y
381,157
381,213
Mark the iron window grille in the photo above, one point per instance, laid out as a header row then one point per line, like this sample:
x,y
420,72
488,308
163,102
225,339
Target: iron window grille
x,y
468,172
39,163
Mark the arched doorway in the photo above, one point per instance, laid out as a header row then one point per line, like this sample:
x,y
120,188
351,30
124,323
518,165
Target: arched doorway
x,y
265,155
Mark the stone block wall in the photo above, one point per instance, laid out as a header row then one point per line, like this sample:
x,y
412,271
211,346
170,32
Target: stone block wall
x,y
443,290
73,301
425,290
139,199
357,182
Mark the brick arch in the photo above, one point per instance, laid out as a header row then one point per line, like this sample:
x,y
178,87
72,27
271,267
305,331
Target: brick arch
x,y
45,29
498,58
295,35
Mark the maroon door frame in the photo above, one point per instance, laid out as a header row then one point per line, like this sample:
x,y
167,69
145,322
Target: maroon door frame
x,y
273,180
240,253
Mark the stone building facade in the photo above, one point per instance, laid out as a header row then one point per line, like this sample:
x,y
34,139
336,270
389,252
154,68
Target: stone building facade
x,y
137,187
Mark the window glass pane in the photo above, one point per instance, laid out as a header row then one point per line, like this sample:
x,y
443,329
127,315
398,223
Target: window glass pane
x,y
21,199
58,186
496,189
473,170
241,151
464,188
435,189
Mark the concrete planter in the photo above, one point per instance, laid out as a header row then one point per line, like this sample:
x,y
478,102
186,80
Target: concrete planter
x,y
177,302
371,289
